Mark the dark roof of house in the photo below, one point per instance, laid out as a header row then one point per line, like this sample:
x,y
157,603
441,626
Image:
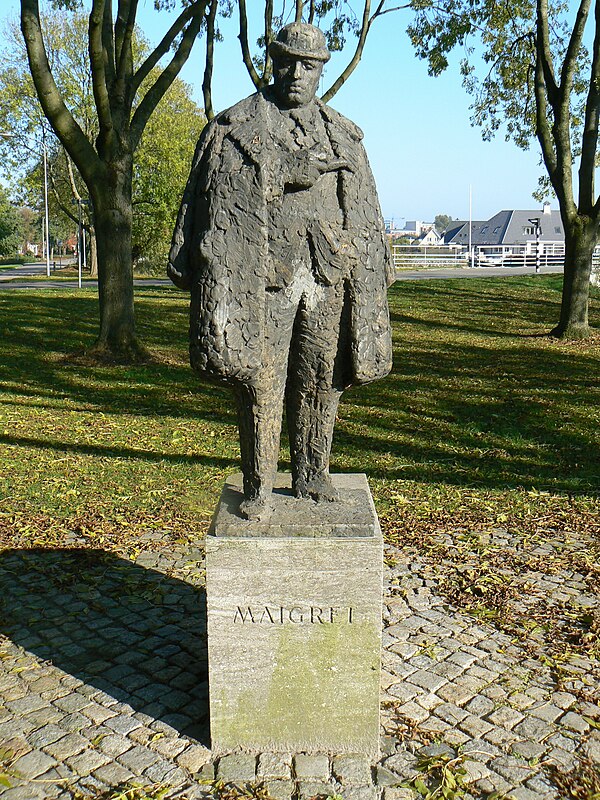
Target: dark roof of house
x,y
457,231
507,227
550,224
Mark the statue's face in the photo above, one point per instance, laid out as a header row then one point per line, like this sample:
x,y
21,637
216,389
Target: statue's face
x,y
296,80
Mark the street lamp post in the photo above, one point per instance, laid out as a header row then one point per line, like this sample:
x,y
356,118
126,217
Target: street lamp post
x,y
45,238
45,152
535,221
80,236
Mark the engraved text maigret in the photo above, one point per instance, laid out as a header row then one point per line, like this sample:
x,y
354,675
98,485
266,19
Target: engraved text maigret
x,y
296,615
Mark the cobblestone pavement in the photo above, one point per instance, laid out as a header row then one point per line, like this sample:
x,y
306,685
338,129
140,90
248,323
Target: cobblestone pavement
x,y
103,681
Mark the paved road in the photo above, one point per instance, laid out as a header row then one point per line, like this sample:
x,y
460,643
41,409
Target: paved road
x,y
472,272
17,278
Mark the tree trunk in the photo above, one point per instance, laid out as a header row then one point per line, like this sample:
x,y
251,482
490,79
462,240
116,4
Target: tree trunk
x,y
112,208
579,249
93,253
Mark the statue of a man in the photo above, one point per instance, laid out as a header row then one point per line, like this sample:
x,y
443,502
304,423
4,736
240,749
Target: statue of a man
x,y
281,241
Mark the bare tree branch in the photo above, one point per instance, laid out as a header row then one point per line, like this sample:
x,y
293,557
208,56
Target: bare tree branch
x,y
59,116
268,66
154,95
589,139
210,59
555,142
124,28
572,54
364,30
195,9
243,37
97,64
299,7
107,38
63,207
365,27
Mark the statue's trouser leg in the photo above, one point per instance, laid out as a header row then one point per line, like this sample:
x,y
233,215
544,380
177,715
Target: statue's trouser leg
x,y
315,385
260,405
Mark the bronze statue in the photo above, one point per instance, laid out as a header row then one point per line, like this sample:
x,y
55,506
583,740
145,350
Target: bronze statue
x,y
281,242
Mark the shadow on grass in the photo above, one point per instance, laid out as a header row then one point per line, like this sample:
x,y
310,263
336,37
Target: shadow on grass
x,y
474,399
118,452
35,325
134,633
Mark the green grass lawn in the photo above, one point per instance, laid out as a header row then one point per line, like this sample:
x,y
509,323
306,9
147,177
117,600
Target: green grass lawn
x,y
483,416
485,424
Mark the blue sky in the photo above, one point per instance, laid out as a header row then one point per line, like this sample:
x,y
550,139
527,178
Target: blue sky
x,y
423,150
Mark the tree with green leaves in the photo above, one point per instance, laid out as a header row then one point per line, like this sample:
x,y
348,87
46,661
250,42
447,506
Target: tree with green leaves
x,y
11,228
160,171
160,163
441,222
540,81
123,105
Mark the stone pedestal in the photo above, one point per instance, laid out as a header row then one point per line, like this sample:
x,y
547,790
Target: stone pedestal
x,y
294,622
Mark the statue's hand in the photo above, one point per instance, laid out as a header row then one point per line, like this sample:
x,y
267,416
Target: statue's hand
x,y
307,166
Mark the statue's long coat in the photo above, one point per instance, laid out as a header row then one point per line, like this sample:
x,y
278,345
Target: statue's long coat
x,y
220,248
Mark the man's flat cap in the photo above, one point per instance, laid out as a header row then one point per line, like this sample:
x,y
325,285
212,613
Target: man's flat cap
x,y
300,40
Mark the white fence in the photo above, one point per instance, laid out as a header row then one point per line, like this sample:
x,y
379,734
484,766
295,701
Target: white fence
x,y
444,256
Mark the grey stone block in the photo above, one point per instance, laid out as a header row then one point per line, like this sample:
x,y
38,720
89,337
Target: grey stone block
x,y
475,771
138,758
274,765
533,728
113,774
72,702
122,724
505,716
294,624
307,790
427,680
279,789
361,793
574,722
97,713
165,772
236,768
311,767
528,750
69,745
547,712
194,758
46,735
88,761
511,769
30,792
591,750
398,794
169,748
385,777
352,769
562,758
480,705
450,713
33,764
522,793
113,744
475,726
74,722
414,712
403,764
26,703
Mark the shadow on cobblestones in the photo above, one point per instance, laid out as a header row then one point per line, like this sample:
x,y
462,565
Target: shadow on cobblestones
x,y
110,625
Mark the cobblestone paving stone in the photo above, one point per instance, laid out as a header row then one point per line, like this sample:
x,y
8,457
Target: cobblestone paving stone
x,y
103,681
